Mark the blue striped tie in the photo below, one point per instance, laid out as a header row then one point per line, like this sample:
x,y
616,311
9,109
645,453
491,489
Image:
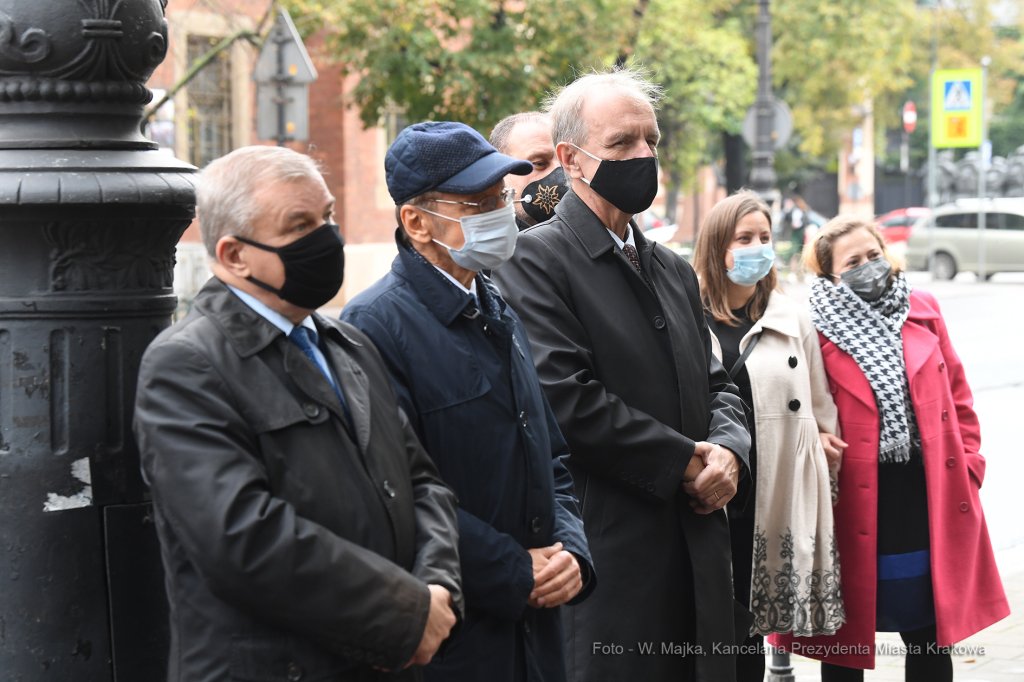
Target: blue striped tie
x,y
306,340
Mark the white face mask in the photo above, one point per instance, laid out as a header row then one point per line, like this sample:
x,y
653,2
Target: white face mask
x,y
490,238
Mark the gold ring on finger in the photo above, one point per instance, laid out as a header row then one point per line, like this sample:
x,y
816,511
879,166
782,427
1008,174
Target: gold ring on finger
x,y
717,497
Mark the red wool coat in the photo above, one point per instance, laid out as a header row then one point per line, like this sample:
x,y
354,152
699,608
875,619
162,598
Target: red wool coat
x,y
968,593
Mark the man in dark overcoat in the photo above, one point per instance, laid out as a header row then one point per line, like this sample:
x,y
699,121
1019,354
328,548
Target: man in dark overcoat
x,y
655,428
463,372
305,533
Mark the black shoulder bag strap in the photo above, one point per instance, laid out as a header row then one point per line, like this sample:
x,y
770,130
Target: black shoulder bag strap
x,y
746,354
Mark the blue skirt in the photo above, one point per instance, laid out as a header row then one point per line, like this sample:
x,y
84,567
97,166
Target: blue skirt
x,y
904,594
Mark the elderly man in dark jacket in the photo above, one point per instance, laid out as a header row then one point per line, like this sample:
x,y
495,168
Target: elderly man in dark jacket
x,y
463,372
655,427
306,535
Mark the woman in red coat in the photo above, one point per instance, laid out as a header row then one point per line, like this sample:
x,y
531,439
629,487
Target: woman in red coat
x,y
913,544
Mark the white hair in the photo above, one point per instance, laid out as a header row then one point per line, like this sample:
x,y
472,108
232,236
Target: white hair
x,y
565,105
225,199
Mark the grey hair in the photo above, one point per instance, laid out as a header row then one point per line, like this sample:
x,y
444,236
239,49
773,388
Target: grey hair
x,y
502,131
225,199
565,105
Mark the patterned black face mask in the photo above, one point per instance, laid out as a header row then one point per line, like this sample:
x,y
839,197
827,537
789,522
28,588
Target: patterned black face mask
x,y
314,267
545,194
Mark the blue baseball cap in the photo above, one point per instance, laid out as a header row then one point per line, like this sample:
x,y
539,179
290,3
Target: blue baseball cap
x,y
446,157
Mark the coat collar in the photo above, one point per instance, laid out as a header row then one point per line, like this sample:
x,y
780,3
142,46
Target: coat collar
x,y
442,297
919,338
247,331
593,233
919,343
780,316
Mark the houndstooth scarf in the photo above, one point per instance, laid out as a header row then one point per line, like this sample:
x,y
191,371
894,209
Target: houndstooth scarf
x,y
872,334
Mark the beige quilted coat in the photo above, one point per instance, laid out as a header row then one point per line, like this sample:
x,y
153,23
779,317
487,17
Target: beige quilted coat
x,y
795,585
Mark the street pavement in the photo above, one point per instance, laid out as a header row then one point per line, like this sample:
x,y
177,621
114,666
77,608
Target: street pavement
x,y
986,326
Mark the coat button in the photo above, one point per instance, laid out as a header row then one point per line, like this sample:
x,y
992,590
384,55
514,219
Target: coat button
x,y
388,489
945,415
526,628
535,524
650,487
632,480
951,462
964,506
487,328
659,322
624,476
832,388
523,419
641,482
794,404
312,410
792,361
294,672
942,366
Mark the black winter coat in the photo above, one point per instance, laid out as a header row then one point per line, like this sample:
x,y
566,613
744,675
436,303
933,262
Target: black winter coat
x,y
465,376
294,549
630,375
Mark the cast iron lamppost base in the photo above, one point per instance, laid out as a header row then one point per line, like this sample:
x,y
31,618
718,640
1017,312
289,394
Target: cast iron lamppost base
x,y
90,214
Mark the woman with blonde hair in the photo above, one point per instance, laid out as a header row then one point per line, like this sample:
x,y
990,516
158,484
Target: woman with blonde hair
x,y
916,553
785,567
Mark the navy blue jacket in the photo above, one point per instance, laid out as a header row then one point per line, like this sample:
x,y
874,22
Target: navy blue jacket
x,y
464,375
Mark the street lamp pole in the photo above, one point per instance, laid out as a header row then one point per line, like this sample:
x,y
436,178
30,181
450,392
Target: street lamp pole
x,y
762,176
985,61
933,180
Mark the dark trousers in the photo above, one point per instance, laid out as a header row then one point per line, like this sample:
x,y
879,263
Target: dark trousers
x,y
922,665
749,663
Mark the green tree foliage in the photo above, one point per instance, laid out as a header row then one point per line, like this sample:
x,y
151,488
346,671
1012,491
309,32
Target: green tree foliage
x,y
833,57
708,76
474,61
709,80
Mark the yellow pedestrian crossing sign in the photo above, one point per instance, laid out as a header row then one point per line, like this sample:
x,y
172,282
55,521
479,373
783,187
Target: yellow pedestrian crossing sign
x,y
956,108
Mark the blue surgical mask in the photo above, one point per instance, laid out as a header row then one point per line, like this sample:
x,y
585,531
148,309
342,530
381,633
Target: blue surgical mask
x,y
751,264
490,238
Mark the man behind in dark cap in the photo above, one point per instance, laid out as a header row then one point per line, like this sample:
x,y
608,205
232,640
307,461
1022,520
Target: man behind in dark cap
x,y
463,372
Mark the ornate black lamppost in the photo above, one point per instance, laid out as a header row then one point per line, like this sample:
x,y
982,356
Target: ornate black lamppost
x,y
90,214
762,175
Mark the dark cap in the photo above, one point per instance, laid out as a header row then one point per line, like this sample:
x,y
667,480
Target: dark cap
x,y
446,157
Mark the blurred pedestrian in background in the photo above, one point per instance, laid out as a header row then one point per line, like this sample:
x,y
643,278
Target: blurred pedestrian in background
x,y
780,521
528,136
914,545
624,355
462,369
305,532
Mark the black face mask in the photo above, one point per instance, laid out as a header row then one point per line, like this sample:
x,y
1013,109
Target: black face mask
x,y
629,185
545,194
314,267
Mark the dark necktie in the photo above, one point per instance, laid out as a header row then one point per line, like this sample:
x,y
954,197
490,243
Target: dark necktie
x,y
306,339
631,254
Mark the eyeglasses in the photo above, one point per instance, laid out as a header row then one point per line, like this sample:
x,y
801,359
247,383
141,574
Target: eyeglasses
x,y
488,203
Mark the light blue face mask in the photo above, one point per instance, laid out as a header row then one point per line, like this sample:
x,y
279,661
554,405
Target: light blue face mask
x,y
751,264
490,238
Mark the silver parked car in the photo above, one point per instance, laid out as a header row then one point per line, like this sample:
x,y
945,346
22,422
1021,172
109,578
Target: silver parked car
x,y
956,238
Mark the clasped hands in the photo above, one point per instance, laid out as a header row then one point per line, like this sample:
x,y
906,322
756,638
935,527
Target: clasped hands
x,y
711,477
556,576
556,580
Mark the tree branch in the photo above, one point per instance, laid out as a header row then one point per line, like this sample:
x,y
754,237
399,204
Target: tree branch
x,y
255,37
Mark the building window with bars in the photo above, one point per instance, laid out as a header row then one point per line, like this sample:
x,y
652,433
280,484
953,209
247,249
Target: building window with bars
x,y
394,122
209,103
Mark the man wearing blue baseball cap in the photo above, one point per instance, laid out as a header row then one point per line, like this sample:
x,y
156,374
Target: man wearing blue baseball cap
x,y
462,369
